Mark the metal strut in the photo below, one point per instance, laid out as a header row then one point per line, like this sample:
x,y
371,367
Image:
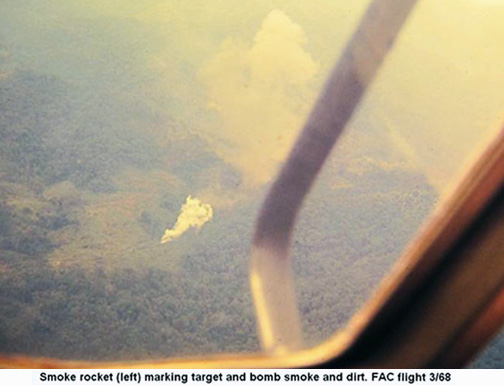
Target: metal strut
x,y
271,272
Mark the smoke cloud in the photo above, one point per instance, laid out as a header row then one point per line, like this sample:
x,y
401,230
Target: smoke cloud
x,y
193,214
260,92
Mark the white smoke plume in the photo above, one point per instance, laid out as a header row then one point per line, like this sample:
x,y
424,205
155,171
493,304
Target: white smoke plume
x,y
193,214
261,91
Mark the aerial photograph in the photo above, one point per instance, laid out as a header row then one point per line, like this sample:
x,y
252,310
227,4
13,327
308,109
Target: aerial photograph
x,y
139,140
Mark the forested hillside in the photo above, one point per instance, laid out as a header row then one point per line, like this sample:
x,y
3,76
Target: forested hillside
x,y
68,287
85,199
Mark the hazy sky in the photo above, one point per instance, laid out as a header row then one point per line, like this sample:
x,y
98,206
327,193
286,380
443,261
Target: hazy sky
x,y
440,89
243,76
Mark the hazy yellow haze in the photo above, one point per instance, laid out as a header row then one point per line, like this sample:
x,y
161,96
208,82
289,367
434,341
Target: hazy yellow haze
x,y
440,91
243,75
438,94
